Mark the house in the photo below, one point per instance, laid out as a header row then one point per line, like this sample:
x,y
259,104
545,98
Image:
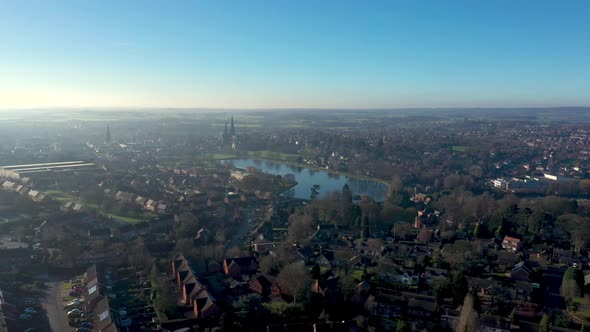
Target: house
x,y
494,324
521,272
511,243
359,262
326,259
386,305
306,254
124,197
204,305
483,287
328,288
235,267
434,276
265,285
151,205
562,256
422,312
505,261
523,291
344,326
161,208
103,317
361,292
66,207
36,195
141,200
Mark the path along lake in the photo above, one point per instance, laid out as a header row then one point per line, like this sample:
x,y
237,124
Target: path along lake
x,y
306,178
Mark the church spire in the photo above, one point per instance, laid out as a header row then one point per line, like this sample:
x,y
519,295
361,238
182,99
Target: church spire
x,y
225,134
108,138
232,130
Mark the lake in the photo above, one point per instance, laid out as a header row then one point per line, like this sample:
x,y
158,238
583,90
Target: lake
x,y
306,178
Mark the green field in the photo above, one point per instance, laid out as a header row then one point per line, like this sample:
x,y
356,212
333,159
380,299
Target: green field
x,y
271,155
460,148
59,196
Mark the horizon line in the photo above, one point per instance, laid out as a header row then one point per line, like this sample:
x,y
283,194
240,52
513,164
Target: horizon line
x,y
148,108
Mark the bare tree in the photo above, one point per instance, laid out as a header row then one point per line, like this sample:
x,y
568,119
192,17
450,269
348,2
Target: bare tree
x,y
468,318
294,279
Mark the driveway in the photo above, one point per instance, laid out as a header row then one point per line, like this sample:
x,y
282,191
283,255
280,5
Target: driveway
x,y
53,304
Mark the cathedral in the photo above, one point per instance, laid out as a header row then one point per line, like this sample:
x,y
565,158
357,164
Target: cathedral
x,y
229,138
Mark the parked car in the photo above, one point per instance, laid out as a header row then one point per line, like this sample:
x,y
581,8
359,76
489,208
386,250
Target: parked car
x,y
78,288
74,312
82,329
30,311
25,316
85,324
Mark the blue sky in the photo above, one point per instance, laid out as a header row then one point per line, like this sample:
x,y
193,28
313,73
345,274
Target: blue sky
x,y
291,54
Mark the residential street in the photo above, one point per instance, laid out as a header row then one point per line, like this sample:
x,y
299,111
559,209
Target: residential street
x,y
53,304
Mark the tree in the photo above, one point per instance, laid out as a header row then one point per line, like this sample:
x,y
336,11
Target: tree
x,y
248,304
299,227
401,326
476,231
468,317
545,323
571,284
315,192
294,280
186,225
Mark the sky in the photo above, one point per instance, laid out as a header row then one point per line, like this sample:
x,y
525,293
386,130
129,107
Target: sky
x,y
294,54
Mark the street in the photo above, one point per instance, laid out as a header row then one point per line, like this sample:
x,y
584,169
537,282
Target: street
x,y
53,304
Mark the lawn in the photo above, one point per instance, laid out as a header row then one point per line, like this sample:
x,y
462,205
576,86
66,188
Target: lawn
x,y
272,155
129,220
221,156
459,148
59,195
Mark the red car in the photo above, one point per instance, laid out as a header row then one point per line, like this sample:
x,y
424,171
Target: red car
x,y
78,288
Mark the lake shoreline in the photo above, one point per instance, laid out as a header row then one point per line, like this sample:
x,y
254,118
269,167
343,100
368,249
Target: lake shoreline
x,y
347,176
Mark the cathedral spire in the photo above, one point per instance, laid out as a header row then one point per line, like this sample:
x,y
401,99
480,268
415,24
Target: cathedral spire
x,y
108,138
232,130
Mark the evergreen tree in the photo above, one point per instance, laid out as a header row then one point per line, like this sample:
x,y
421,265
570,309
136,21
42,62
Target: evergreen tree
x,y
544,325
571,284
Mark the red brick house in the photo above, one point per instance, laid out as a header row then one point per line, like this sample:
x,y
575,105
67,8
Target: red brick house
x,y
235,267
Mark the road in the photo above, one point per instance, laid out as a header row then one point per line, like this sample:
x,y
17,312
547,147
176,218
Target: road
x,y
53,304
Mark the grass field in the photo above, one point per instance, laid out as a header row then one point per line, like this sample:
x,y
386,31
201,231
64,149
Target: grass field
x,y
272,155
59,195
460,148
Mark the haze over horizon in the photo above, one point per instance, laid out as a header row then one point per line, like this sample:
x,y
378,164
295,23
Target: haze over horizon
x,y
290,55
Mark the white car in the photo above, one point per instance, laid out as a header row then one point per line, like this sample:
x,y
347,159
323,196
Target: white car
x,y
74,312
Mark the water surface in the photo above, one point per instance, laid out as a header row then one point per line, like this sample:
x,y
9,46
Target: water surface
x,y
306,178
